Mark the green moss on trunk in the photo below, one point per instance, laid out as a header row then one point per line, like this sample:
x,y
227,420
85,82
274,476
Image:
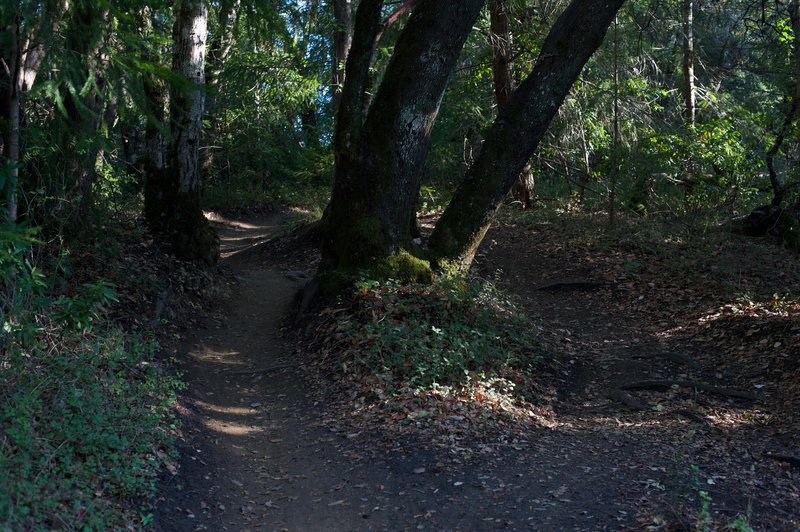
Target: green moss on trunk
x,y
402,266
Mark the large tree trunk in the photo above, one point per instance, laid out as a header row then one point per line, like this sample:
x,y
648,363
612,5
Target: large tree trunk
x,y
175,208
519,128
378,166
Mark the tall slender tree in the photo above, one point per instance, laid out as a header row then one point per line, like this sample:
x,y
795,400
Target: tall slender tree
x,y
25,38
174,207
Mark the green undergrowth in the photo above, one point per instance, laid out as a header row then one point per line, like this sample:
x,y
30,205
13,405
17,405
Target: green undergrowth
x,y
450,333
85,427
86,406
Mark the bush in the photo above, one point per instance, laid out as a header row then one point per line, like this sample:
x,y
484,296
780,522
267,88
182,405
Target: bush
x,y
448,333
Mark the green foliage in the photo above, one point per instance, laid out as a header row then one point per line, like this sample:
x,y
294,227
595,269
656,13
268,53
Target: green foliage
x,y
22,286
78,313
85,410
81,428
447,333
302,178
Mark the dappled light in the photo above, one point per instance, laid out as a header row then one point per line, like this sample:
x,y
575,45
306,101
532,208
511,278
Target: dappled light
x,y
400,265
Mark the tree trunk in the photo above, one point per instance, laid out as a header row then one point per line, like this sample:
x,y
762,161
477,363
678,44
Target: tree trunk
x,y
689,90
10,111
503,76
20,62
519,128
218,52
175,208
83,102
342,39
378,174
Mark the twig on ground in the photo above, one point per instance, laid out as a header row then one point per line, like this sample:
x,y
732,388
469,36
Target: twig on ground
x,y
789,458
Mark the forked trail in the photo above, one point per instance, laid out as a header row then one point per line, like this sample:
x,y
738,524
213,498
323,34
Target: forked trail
x,y
262,452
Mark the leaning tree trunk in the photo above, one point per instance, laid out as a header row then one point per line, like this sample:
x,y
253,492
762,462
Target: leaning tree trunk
x,y
519,128
175,203
378,166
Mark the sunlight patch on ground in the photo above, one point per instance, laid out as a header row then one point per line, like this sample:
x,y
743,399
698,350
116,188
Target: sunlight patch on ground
x,y
207,354
234,410
246,238
212,216
232,429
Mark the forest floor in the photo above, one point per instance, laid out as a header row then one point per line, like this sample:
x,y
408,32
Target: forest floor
x,y
676,406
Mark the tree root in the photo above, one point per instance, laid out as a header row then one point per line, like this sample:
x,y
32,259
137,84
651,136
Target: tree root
x,y
628,400
692,416
650,384
789,458
677,358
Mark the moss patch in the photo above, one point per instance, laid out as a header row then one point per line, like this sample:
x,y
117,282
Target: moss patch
x,y
403,266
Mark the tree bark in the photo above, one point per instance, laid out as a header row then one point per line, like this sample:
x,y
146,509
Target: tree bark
x,y
503,76
689,90
153,160
376,177
218,52
175,205
20,62
519,128
350,115
342,39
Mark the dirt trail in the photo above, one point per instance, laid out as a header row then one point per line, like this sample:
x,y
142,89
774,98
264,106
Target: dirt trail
x,y
258,454
261,453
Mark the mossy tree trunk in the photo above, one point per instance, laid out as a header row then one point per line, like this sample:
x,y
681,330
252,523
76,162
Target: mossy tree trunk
x,y
378,164
519,128
174,199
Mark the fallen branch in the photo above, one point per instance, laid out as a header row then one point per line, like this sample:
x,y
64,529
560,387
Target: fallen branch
x,y
261,370
677,358
650,384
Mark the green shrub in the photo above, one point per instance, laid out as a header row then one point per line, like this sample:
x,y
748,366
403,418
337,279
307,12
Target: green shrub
x,y
447,333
